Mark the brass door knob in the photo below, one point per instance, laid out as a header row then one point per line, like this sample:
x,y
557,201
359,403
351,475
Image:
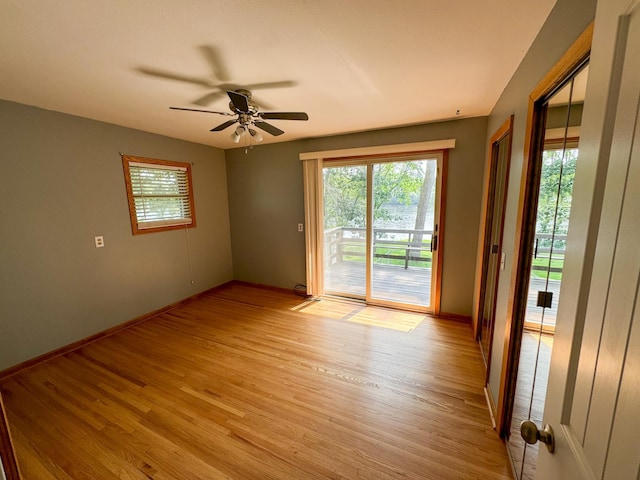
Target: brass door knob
x,y
531,434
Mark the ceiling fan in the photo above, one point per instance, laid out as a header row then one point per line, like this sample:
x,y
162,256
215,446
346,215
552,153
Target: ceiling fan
x,y
248,116
218,83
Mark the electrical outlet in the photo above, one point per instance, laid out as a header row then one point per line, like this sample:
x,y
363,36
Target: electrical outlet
x,y
99,241
301,227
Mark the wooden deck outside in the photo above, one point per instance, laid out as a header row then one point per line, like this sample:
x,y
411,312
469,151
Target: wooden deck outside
x,y
413,285
248,383
390,282
536,314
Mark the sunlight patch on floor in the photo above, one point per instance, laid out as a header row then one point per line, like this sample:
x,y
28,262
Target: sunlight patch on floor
x,y
545,338
362,314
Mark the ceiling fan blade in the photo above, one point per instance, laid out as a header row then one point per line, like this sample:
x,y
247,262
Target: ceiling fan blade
x,y
207,99
203,111
265,85
224,125
173,76
284,116
213,57
240,101
267,127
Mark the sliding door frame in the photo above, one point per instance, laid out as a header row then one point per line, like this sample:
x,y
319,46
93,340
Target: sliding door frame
x,y
312,168
369,162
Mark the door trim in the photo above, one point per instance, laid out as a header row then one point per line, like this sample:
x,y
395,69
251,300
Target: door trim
x,y
312,164
575,56
436,289
384,150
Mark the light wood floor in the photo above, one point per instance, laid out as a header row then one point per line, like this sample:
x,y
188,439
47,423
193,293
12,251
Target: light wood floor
x,y
247,383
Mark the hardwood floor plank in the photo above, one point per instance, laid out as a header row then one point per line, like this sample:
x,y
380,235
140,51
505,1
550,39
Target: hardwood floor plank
x,y
40,465
250,383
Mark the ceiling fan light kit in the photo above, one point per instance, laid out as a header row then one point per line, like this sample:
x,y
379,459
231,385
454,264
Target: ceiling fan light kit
x,y
257,136
248,117
242,130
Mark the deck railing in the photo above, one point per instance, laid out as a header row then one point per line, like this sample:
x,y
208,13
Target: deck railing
x,y
396,245
542,249
409,247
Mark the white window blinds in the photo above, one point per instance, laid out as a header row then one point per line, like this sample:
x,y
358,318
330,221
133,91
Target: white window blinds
x,y
160,195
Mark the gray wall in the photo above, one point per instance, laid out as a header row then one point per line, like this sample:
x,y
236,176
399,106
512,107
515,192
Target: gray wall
x,y
557,116
266,203
567,21
62,184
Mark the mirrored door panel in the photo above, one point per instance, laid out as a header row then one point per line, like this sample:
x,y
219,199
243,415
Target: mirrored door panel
x,y
557,170
492,248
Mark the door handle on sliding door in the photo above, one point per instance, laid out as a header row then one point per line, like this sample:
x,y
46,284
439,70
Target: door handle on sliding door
x,y
434,243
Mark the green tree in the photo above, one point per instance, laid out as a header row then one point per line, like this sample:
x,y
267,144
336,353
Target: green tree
x,y
345,197
556,186
427,192
345,191
395,183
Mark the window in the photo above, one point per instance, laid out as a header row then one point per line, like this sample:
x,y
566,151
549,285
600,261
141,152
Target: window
x,y
160,194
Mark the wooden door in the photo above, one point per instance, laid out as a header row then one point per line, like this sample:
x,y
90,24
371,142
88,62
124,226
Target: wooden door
x,y
594,384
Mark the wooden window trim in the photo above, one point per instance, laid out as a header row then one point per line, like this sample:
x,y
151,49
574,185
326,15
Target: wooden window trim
x,y
126,160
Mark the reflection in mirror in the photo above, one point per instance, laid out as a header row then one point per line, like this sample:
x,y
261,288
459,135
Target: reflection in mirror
x,y
494,226
559,155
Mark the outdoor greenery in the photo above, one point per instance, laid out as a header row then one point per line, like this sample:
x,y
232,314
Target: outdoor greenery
x,y
355,253
556,183
345,196
159,193
543,262
413,183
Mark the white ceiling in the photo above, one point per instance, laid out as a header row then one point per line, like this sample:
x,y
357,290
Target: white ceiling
x,y
352,65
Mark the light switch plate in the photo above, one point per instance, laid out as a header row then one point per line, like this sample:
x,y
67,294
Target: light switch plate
x,y
99,241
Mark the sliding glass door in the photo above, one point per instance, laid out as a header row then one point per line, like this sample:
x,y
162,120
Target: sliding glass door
x,y
345,230
381,229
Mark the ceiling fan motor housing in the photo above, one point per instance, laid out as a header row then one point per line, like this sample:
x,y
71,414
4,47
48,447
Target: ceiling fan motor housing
x,y
245,119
